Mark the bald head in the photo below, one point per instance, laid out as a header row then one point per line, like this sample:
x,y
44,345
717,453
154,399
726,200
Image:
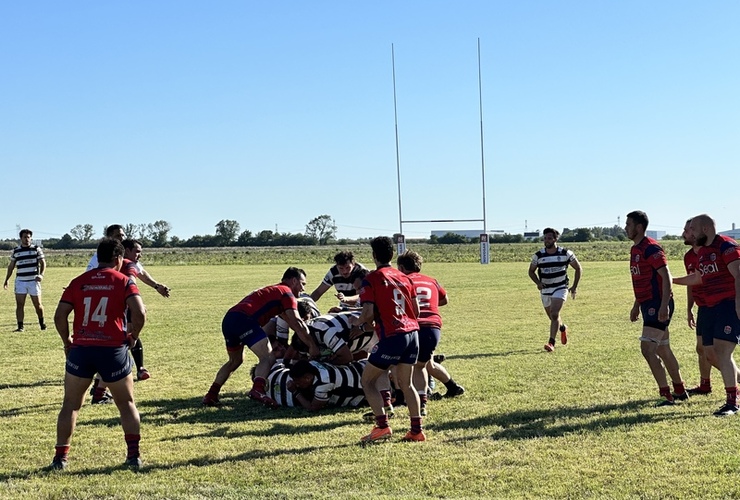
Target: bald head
x,y
704,229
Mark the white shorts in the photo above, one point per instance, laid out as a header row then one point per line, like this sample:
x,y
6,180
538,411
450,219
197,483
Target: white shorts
x,y
548,295
28,287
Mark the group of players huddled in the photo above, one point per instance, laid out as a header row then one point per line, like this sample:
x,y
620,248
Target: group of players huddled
x,y
376,346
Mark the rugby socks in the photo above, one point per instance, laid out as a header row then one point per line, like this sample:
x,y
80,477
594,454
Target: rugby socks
x,y
259,385
98,389
678,388
386,395
42,323
61,452
423,398
213,391
731,395
416,425
132,443
20,326
381,421
137,352
450,384
666,393
705,385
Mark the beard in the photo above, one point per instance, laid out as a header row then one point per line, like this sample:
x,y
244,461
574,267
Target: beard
x,y
702,240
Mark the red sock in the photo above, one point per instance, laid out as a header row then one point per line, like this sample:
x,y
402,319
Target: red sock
x,y
381,421
132,443
666,393
213,391
731,395
386,395
416,425
259,384
423,398
705,383
678,387
61,451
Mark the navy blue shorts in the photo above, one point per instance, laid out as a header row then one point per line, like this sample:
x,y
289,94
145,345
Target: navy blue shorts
x,y
702,327
720,322
428,342
112,363
649,310
240,329
398,348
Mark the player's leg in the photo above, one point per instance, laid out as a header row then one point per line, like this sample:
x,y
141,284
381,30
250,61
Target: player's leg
x,y
546,302
671,365
35,293
263,351
20,304
236,358
724,350
374,378
649,342
556,305
74,395
119,377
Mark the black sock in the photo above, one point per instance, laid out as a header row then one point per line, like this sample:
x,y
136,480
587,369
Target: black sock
x,y
137,351
450,384
20,325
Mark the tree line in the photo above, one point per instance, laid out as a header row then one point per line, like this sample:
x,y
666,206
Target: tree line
x,y
320,230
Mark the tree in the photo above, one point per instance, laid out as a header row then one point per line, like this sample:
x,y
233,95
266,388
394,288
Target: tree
x,y
227,231
158,232
323,229
83,232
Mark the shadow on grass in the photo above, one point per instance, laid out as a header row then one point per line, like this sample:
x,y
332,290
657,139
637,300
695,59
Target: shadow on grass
x,y
28,385
528,424
489,354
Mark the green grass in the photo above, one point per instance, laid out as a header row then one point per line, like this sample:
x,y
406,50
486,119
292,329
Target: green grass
x,y
575,423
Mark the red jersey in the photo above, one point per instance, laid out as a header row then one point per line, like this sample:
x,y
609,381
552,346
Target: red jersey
x,y
99,299
691,263
129,268
646,258
392,293
716,279
266,303
428,293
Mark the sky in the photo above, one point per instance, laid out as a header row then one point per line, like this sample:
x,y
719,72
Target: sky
x,y
274,113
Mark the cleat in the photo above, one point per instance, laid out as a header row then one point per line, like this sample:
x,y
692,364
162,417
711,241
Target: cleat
x,y
665,402
549,347
42,326
410,436
456,391
370,416
143,374
699,391
209,401
423,411
58,464
726,410
439,358
18,330
133,462
563,334
105,399
263,398
377,435
684,396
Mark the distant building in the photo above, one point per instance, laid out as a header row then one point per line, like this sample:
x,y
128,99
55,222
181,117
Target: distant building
x,y
656,235
468,233
732,233
532,235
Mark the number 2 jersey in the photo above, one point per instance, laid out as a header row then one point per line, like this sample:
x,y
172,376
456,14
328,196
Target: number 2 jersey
x,y
428,293
99,299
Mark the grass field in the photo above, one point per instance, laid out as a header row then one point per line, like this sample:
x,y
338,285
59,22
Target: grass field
x,y
579,422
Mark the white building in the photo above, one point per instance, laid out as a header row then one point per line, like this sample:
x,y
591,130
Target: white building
x,y
468,233
732,233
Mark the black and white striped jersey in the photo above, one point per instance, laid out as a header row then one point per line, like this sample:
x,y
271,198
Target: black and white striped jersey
x,y
331,332
26,262
339,385
552,269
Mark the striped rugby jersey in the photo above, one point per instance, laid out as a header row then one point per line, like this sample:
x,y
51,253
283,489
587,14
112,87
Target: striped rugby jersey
x,y
26,262
552,269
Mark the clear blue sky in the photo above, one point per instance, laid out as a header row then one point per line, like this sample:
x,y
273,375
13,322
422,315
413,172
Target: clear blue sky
x,y
272,113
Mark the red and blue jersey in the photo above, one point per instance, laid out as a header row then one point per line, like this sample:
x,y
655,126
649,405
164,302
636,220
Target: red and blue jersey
x,y
691,263
265,303
99,299
646,258
129,268
392,293
428,293
716,280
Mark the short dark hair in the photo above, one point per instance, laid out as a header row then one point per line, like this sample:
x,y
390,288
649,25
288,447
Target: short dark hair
x,y
554,232
112,229
639,217
382,249
306,308
25,231
109,249
302,367
344,257
410,260
293,272
130,243
358,274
